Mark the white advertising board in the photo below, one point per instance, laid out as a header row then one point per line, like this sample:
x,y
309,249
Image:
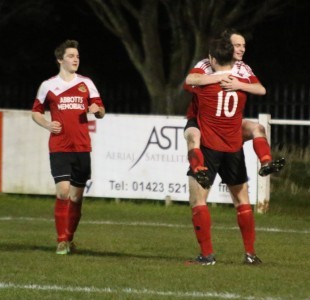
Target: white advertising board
x,y
146,157
138,157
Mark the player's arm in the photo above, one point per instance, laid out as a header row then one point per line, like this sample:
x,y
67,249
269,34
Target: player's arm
x,y
38,111
95,105
233,84
201,74
204,79
253,88
52,126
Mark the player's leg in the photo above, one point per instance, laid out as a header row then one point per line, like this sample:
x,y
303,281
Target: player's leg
x,y
61,209
233,173
195,157
61,169
74,214
256,132
245,220
201,221
201,218
192,136
245,216
80,174
253,130
60,215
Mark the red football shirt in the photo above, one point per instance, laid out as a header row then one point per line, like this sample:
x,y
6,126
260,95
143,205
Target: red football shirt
x,y
240,70
68,103
220,117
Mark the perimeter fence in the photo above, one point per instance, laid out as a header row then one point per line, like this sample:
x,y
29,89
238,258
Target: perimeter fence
x,y
289,101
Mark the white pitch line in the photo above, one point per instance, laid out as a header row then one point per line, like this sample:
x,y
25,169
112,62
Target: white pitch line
x,y
154,224
108,290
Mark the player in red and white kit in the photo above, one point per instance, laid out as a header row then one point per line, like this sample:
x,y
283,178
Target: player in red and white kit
x,y
69,97
199,75
219,118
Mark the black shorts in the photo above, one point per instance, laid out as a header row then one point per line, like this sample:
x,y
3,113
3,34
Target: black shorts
x,y
191,123
71,166
229,165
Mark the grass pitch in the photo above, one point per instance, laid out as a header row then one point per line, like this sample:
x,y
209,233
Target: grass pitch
x,y
136,250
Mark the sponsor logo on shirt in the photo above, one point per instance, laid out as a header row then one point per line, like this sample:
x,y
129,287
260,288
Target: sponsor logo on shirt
x,y
82,88
74,102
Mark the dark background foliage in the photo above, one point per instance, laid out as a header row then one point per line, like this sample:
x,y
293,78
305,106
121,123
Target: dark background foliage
x,y
277,51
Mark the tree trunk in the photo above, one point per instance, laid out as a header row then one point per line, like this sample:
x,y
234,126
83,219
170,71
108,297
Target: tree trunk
x,y
165,38
168,100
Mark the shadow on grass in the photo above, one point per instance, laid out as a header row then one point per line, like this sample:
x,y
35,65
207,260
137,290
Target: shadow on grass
x,y
85,252
14,247
221,261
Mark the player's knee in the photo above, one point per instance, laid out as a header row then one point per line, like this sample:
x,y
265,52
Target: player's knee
x,y
259,130
63,195
192,136
76,198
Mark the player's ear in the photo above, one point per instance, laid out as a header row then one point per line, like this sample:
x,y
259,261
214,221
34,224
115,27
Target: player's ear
x,y
212,60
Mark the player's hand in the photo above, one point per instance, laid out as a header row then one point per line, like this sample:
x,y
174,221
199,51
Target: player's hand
x,y
225,77
230,84
94,108
55,127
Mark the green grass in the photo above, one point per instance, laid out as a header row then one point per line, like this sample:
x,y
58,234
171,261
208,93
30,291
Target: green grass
x,y
136,249
130,250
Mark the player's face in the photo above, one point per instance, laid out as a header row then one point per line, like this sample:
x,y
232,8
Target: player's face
x,y
238,42
70,61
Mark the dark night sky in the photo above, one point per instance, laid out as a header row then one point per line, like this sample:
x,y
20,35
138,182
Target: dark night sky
x,y
279,48
30,42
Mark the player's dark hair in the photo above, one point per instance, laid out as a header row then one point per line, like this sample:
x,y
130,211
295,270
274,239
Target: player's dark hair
x,y
61,49
222,50
228,32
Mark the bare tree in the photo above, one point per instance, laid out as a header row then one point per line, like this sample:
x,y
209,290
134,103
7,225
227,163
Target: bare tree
x,y
164,38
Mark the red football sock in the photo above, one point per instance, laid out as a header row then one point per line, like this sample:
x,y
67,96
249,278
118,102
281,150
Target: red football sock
x,y
246,223
60,214
74,216
262,149
195,158
202,225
